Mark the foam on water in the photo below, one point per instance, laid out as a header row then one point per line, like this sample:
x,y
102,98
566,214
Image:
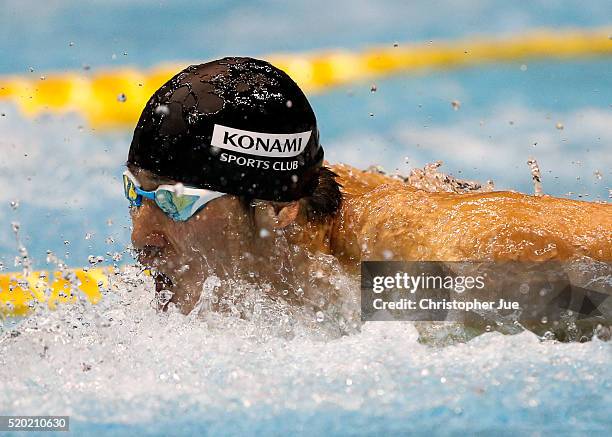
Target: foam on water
x,y
121,367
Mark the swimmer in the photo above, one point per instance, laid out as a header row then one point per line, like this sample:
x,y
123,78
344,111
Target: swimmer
x,y
226,179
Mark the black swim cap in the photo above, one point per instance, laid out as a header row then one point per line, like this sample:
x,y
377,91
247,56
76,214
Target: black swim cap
x,y
235,125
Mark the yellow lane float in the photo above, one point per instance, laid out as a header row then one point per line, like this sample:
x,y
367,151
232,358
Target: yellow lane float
x,y
19,294
114,98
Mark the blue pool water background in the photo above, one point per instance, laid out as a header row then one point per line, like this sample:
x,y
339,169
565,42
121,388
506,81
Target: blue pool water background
x,y
38,35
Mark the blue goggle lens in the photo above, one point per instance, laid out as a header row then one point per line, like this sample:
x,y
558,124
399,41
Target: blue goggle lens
x,y
177,206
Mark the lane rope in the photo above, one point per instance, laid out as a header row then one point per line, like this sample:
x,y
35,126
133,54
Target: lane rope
x,y
115,98
19,294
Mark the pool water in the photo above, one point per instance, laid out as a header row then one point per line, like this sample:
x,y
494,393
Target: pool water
x,y
121,368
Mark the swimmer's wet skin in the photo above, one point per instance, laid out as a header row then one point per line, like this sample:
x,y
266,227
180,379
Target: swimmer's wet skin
x,y
242,127
385,218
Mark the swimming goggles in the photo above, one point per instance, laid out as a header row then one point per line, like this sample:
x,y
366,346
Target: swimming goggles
x,y
178,202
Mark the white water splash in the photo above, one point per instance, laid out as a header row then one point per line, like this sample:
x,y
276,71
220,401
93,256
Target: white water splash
x,y
122,362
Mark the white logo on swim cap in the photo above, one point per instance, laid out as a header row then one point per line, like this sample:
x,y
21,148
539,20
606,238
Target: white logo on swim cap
x,y
257,143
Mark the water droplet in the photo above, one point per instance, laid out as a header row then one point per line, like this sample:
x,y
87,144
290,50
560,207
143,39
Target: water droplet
x,y
456,104
373,88
264,233
387,254
51,258
163,297
71,44
89,235
371,114
396,44
14,204
121,98
43,77
86,67
289,103
179,189
535,176
95,259
110,240
320,316
559,126
523,67
294,178
598,175
31,69
349,381
162,110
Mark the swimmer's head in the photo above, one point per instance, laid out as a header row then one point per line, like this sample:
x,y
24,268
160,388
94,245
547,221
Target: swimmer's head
x,y
236,125
225,157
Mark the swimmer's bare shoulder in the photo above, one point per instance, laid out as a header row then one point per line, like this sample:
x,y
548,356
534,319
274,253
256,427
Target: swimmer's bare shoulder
x,y
385,218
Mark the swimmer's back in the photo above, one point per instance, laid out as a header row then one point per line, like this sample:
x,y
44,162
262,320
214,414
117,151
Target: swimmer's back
x,y
385,218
